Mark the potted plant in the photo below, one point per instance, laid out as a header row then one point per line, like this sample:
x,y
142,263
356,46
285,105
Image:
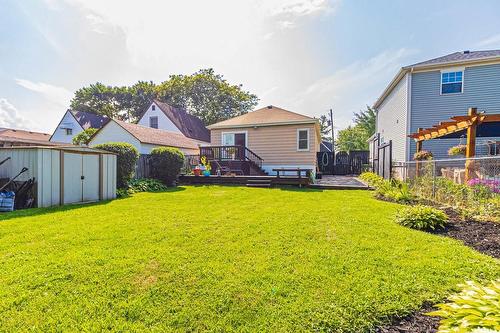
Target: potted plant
x,y
205,166
197,170
422,155
458,150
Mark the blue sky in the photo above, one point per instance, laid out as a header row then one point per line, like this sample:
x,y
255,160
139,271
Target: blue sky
x,y
304,55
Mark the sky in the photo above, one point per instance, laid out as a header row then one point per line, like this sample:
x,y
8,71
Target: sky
x,y
306,56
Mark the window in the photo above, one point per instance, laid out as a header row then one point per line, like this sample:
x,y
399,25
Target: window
x,y
153,122
451,82
153,107
69,131
303,139
228,139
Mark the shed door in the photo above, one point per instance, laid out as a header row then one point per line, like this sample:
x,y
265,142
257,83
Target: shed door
x,y
72,178
90,177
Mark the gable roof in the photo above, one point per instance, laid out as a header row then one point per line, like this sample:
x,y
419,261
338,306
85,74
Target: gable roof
x,y
268,116
189,125
89,120
156,136
452,59
22,136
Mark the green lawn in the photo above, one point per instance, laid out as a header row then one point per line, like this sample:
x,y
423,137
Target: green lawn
x,y
223,259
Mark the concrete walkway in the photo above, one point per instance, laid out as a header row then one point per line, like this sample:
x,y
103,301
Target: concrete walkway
x,y
339,183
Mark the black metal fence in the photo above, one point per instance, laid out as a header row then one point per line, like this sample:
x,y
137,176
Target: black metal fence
x,y
342,163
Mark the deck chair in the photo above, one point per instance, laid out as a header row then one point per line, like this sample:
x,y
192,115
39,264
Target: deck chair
x,y
226,170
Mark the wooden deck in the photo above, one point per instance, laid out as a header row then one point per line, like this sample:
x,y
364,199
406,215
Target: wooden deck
x,y
263,181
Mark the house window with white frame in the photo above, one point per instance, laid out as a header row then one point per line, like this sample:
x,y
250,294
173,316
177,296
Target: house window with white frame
x,y
69,131
452,82
303,139
153,122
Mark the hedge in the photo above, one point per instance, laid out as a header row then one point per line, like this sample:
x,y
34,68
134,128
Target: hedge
x,y
127,156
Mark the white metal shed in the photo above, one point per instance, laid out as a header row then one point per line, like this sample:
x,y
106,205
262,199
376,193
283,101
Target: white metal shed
x,y
63,175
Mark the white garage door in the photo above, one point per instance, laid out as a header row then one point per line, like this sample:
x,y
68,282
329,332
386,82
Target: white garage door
x,y
81,177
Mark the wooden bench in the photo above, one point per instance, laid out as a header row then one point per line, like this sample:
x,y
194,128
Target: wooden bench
x,y
297,170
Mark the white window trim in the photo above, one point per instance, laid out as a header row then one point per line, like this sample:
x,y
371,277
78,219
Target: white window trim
x,y
157,122
451,70
308,139
234,132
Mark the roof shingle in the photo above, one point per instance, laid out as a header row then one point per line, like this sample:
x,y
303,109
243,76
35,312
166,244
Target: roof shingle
x,y
459,56
269,115
157,137
89,120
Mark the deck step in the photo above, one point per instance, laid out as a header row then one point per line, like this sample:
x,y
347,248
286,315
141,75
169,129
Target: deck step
x,y
258,183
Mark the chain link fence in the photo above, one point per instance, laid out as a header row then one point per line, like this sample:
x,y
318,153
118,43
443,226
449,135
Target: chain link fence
x,y
472,184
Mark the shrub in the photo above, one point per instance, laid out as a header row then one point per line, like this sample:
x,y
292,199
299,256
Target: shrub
x,y
126,158
422,155
83,138
493,185
166,164
371,179
475,307
145,185
457,150
422,217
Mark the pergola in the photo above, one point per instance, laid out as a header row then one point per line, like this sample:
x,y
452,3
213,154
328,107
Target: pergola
x,y
473,125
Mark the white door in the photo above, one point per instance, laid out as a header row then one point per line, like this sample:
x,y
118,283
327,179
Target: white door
x,y
72,178
90,177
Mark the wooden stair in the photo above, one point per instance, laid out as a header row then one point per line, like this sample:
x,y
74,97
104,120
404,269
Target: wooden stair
x,y
258,183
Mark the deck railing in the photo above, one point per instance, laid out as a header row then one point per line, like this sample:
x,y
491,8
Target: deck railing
x,y
230,153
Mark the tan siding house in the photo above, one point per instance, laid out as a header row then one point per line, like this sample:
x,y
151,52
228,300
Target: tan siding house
x,y
283,139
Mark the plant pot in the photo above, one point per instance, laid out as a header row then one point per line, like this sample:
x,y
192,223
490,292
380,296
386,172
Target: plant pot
x,y
197,172
206,173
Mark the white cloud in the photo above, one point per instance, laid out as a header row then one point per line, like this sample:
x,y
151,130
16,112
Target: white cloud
x,y
56,95
299,7
10,117
350,88
490,41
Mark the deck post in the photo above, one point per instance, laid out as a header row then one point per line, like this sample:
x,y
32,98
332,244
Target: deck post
x,y
470,150
419,149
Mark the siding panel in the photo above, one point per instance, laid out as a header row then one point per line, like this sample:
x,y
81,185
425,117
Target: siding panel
x,y
481,90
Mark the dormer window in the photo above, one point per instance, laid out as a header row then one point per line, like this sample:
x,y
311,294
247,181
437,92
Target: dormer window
x,y
153,107
452,82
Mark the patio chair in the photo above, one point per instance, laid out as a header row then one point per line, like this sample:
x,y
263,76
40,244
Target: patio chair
x,y
225,170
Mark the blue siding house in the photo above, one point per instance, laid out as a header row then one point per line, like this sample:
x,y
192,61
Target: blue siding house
x,y
429,92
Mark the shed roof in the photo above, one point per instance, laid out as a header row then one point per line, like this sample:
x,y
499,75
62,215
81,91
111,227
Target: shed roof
x,y
22,136
268,116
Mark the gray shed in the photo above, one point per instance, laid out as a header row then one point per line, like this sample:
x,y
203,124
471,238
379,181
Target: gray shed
x,y
63,175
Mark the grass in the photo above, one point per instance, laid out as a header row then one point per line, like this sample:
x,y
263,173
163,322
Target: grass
x,y
223,259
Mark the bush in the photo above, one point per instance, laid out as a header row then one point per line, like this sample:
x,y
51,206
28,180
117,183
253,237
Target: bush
x,y
476,307
126,158
166,164
395,190
372,179
422,218
145,185
83,138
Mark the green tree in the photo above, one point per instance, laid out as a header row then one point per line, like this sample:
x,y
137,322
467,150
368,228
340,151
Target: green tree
x,y
325,128
204,94
83,138
352,138
366,120
207,95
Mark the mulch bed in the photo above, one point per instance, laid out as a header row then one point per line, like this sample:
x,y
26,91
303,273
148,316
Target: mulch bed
x,y
481,236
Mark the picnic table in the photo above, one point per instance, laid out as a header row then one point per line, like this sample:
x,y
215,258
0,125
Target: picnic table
x,y
297,170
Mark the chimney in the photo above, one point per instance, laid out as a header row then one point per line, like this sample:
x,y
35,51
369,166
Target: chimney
x,y
466,52
269,106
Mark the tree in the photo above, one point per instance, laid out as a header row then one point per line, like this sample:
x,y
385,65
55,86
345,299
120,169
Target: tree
x,y
325,128
83,138
204,94
207,95
366,120
352,138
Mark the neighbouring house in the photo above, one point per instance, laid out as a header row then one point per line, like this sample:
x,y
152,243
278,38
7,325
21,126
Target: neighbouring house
x,y
74,122
267,139
143,138
326,146
162,116
427,93
14,137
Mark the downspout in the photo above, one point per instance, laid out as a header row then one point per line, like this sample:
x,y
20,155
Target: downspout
x,y
408,113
